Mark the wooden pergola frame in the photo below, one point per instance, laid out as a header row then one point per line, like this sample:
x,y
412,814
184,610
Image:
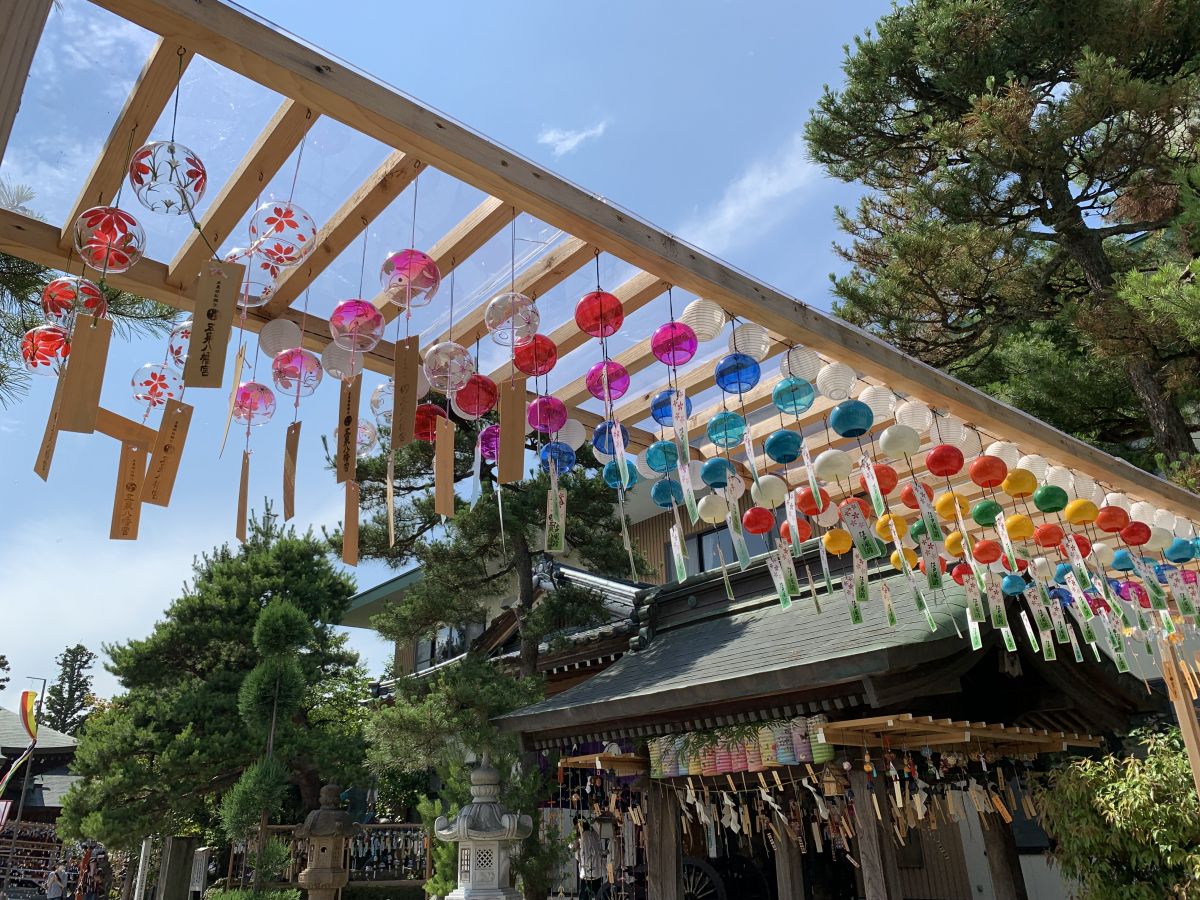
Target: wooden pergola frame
x,y
314,84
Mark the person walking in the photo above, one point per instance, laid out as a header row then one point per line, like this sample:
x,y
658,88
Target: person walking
x,y
589,853
56,883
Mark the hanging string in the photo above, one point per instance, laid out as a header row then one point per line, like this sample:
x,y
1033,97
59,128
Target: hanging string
x,y
299,159
362,267
181,52
303,326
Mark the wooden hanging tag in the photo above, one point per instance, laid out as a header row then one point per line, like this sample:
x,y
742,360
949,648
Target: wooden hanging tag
x,y
350,528
127,504
512,431
45,454
404,391
347,436
243,497
168,450
238,362
290,449
216,300
443,469
84,374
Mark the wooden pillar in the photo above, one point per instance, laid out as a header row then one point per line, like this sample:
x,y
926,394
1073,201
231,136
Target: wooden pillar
x,y
789,869
879,874
663,860
1008,882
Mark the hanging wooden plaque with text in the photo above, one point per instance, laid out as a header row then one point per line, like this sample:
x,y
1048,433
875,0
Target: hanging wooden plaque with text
x,y
350,528
127,504
290,449
243,497
168,451
404,391
347,435
84,374
512,431
216,300
443,469
45,454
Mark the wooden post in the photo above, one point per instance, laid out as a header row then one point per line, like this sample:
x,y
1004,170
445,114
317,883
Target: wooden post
x,y
789,869
175,868
1185,710
1008,881
663,869
23,26
877,885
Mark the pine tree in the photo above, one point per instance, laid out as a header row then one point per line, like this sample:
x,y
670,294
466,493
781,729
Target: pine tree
x,y
1012,149
480,555
159,757
4,670
69,700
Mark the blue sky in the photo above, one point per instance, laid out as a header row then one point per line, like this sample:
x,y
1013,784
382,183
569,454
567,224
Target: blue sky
x,y
692,121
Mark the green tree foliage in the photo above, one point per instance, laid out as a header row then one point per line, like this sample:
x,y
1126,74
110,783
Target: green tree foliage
x,y
21,285
1011,150
70,699
157,759
4,670
475,557
1127,827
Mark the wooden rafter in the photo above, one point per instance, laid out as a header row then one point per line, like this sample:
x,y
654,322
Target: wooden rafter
x,y
145,104
386,183
544,274
18,43
281,136
232,38
456,246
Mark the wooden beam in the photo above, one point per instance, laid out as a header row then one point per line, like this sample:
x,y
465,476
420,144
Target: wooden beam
x,y
282,135
23,26
633,294
386,183
235,39
550,270
460,242
146,102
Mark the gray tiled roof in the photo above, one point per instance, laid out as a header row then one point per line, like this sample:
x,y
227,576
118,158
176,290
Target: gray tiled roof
x,y
764,650
13,736
48,790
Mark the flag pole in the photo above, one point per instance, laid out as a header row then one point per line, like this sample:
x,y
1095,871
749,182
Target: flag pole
x,y
16,823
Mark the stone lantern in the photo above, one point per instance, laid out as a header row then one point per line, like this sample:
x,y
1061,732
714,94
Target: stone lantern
x,y
485,833
326,834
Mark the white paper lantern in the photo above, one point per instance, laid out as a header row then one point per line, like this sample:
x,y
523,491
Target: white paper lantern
x,y
695,467
1164,518
832,465
601,456
949,429
881,400
836,380
915,414
1097,495
735,489
1082,486
705,318
1184,528
278,335
1101,554
458,410
712,508
1041,566
801,362
1006,451
1113,498
572,434
341,363
1160,539
899,440
829,516
750,338
1035,465
1060,476
1142,512
972,444
770,492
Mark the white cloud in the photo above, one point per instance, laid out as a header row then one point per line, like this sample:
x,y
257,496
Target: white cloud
x,y
766,193
562,141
